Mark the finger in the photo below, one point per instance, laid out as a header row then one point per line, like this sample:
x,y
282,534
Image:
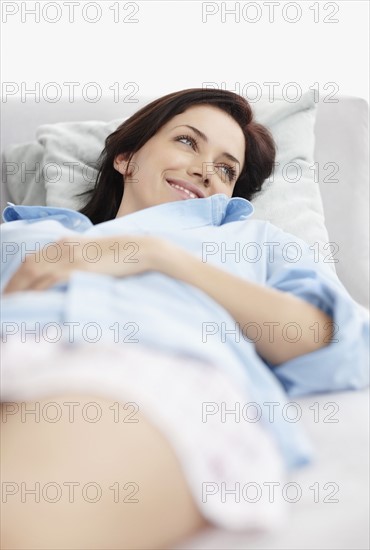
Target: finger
x,y
15,284
26,273
45,282
22,285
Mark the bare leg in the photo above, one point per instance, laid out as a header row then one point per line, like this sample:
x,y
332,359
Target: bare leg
x,y
100,457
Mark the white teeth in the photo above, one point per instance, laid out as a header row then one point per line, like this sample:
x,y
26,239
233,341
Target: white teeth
x,y
191,195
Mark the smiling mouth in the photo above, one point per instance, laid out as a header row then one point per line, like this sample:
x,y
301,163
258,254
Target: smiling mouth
x,y
185,193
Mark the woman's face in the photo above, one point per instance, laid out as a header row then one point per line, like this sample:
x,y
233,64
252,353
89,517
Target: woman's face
x,y
179,157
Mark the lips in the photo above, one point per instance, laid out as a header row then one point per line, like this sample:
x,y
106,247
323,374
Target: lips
x,y
186,187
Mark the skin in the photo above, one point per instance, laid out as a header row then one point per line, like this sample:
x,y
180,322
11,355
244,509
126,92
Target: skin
x,y
163,156
106,453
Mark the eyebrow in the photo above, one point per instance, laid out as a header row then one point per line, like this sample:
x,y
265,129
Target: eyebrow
x,y
205,139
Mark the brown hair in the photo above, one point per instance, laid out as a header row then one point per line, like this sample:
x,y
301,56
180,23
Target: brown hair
x,y
133,133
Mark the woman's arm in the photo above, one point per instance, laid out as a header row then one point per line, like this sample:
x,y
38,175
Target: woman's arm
x,y
270,310
267,308
117,256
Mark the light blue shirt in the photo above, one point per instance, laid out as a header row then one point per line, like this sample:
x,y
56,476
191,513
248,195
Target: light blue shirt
x,y
153,309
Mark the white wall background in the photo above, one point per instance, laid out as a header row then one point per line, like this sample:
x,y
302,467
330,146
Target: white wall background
x,y
167,46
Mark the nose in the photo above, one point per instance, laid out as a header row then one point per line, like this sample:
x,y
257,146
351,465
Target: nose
x,y
203,172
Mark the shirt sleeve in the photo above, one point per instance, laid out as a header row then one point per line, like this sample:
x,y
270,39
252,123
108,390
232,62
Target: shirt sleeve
x,y
341,364
28,228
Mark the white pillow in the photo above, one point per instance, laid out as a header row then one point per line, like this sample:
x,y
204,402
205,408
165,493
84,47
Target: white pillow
x,y
295,206
290,198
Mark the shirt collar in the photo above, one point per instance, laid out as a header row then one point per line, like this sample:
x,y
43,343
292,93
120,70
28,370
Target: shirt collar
x,y
215,210
185,214
66,216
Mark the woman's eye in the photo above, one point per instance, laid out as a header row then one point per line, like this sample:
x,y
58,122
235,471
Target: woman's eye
x,y
190,139
231,172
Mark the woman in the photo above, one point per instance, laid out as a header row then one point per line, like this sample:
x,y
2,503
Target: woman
x,y
163,262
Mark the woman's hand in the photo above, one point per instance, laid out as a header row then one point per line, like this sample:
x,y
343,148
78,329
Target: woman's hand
x,y
116,256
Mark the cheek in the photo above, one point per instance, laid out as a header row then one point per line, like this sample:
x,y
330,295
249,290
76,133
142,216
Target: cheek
x,y
175,159
156,158
159,159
